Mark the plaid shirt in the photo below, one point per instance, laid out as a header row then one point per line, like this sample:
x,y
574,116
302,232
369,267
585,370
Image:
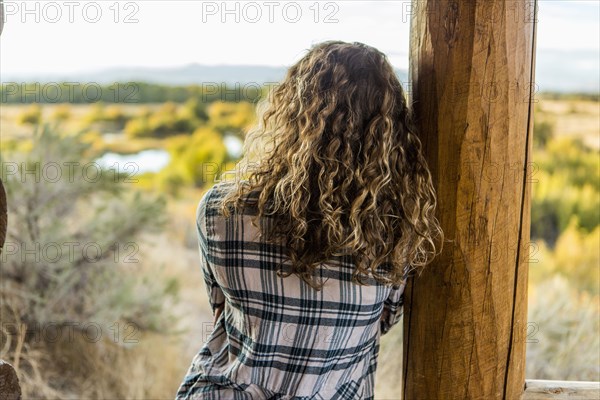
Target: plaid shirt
x,y
277,337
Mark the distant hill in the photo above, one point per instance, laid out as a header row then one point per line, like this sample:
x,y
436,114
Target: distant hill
x,y
185,75
568,70
556,70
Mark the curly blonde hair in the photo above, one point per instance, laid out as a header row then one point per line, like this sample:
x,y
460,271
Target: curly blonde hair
x,y
335,164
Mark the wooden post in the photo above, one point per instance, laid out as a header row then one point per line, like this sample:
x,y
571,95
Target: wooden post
x,y
561,390
472,82
9,382
3,217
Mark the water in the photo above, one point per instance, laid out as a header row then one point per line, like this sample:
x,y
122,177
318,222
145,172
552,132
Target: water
x,y
152,160
234,145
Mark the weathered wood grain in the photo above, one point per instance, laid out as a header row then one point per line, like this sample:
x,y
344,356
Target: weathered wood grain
x,y
471,81
555,390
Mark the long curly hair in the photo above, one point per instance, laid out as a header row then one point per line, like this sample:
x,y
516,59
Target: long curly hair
x,y
335,165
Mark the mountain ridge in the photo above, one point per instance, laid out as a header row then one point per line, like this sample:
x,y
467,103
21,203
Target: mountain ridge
x,y
553,73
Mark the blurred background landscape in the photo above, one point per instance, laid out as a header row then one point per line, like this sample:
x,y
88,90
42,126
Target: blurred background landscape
x,y
101,291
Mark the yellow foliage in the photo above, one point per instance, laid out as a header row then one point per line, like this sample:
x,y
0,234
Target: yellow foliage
x,y
114,113
95,138
137,127
31,115
231,116
62,112
195,160
576,256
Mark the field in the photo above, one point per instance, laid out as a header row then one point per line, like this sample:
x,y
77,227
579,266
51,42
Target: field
x,y
162,295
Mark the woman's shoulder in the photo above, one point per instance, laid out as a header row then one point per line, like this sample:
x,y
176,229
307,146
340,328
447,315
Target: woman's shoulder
x,y
212,193
218,189
215,194
211,202
208,198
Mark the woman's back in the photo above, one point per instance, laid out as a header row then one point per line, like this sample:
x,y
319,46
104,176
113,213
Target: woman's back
x,y
277,334
345,207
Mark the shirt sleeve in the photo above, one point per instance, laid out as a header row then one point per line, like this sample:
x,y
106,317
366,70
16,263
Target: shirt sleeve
x,y
393,308
214,291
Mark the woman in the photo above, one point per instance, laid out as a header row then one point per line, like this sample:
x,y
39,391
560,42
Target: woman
x,y
305,262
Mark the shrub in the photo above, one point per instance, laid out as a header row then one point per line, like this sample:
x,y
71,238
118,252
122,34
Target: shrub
x,y
195,160
234,117
62,113
70,255
567,184
32,115
111,114
543,131
169,120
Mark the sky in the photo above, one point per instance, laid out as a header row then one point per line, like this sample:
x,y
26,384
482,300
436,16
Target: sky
x,y
84,36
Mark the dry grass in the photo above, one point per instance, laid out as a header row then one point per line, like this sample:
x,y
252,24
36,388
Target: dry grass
x,y
573,118
389,369
152,368
76,368
192,310
564,341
